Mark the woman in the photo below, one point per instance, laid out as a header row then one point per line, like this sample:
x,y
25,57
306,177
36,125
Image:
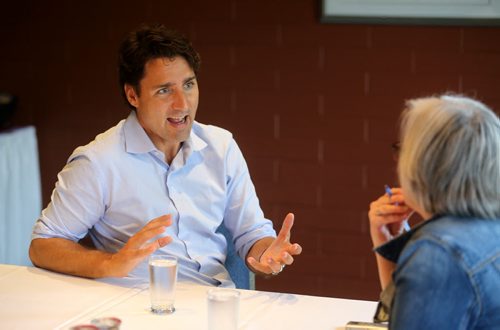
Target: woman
x,y
445,272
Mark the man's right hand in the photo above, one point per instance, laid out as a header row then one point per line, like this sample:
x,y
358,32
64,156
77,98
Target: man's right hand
x,y
140,246
68,257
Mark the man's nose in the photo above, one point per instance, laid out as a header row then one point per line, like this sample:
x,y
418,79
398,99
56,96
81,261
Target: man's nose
x,y
180,101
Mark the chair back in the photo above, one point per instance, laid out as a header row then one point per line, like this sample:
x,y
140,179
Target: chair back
x,y
242,277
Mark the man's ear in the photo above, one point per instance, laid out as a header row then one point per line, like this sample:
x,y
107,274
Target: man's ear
x,y
131,95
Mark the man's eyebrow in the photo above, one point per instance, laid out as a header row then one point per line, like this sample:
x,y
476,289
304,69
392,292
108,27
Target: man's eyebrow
x,y
190,79
169,84
165,85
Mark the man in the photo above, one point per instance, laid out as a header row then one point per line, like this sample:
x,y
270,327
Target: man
x,y
158,182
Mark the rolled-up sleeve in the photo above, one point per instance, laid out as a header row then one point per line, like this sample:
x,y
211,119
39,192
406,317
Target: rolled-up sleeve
x,y
243,216
77,202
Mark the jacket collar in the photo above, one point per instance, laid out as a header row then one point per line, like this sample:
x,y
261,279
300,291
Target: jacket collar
x,y
392,249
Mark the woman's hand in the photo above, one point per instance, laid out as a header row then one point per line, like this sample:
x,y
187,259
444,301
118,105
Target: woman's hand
x,y
387,216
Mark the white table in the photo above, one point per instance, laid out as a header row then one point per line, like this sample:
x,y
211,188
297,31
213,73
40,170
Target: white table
x,y
31,298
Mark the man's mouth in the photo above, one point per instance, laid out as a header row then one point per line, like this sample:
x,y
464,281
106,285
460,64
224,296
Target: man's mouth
x,y
177,120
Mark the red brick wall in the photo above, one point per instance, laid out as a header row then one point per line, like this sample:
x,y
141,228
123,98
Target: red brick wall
x,y
313,106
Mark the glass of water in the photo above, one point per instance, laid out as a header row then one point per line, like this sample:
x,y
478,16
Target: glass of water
x,y
223,309
162,279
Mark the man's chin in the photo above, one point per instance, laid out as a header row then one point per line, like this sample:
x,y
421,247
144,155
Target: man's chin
x,y
181,137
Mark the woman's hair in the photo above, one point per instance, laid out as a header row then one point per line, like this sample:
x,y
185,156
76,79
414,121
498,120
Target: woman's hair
x,y
450,156
150,42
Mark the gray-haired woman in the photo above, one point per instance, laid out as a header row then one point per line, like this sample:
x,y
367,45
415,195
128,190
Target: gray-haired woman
x,y
445,272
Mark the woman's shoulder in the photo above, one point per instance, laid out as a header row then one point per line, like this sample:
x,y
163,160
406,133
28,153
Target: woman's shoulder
x,y
460,229
470,241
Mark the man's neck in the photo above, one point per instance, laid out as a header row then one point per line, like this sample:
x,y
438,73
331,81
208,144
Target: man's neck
x,y
171,152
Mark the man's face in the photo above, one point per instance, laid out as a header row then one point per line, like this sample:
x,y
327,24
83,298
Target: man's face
x,y
167,103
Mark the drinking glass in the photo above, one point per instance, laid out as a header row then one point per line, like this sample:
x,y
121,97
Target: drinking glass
x,y
223,309
163,277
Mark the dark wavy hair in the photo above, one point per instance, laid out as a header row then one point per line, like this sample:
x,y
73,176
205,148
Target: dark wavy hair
x,y
150,42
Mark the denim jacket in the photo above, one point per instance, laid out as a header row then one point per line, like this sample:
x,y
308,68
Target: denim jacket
x,y
447,275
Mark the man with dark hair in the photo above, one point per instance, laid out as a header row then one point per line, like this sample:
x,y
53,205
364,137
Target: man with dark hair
x,y
158,182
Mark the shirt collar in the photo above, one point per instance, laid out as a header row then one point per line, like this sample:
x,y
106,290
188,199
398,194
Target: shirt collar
x,y
137,141
392,249
193,142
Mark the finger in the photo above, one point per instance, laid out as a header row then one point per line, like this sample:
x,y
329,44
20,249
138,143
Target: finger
x,y
274,265
284,233
151,247
379,218
295,249
144,236
378,203
384,199
396,191
152,227
139,253
164,220
162,241
258,266
286,258
157,244
397,199
389,209
388,219
387,200
269,267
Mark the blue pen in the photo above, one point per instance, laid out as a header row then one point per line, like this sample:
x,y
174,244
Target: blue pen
x,y
389,193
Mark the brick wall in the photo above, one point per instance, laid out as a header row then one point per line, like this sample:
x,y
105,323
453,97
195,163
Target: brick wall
x,y
314,107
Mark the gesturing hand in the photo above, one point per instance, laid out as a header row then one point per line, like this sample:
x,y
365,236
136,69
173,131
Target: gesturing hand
x,y
279,253
140,246
387,215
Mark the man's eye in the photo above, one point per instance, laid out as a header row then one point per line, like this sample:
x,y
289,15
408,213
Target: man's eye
x,y
189,84
163,91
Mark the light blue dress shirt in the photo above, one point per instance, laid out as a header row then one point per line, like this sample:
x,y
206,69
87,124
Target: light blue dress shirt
x,y
117,183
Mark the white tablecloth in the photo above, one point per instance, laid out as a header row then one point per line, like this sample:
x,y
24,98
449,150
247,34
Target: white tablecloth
x,y
20,193
32,298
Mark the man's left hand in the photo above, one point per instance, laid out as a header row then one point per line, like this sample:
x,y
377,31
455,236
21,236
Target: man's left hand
x,y
279,253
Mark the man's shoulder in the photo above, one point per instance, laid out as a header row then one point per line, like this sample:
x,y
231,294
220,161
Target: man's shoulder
x,y
103,145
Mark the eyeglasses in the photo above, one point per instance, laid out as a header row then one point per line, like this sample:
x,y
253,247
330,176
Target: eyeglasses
x,y
396,147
